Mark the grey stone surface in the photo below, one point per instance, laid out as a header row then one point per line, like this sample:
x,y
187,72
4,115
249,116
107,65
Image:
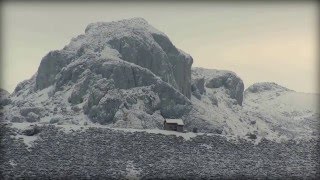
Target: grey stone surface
x,y
100,81
219,78
4,98
80,88
197,87
173,104
231,82
55,120
31,131
36,110
32,117
50,66
18,119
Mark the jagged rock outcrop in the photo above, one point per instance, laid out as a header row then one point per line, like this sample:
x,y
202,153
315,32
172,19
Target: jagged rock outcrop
x,y
132,40
114,71
50,66
4,97
216,98
265,86
218,78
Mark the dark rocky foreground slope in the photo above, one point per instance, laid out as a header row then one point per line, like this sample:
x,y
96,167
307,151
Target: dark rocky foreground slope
x,y
99,153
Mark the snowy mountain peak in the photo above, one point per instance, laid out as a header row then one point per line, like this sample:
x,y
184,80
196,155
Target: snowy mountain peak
x,y
135,41
121,74
265,86
125,25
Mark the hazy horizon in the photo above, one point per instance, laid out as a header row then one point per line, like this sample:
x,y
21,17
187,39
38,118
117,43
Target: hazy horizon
x,y
274,42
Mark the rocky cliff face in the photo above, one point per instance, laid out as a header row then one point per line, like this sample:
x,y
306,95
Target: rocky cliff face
x,y
131,40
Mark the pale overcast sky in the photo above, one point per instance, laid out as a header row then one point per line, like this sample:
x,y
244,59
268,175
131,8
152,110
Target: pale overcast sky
x,y
260,42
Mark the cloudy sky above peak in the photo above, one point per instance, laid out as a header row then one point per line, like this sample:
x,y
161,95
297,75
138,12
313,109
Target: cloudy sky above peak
x,y
259,41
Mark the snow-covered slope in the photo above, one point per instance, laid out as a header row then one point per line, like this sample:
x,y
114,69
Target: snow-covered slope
x,y
268,110
217,98
282,113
